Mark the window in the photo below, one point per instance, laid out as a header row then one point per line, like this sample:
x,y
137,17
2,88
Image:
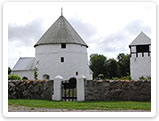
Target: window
x,y
76,73
62,59
142,48
63,45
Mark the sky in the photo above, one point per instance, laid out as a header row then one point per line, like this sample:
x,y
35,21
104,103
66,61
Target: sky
x,y
107,27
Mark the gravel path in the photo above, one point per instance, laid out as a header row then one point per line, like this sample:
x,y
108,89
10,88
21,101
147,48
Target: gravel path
x,y
12,108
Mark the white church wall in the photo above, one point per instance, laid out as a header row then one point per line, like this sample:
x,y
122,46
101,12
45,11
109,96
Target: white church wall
x,y
28,74
49,57
80,89
140,66
133,49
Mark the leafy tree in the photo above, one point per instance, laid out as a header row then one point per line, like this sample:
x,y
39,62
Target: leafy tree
x,y
112,68
9,70
124,64
98,64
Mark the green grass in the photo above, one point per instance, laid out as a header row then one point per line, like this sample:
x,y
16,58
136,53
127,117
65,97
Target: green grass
x,y
99,105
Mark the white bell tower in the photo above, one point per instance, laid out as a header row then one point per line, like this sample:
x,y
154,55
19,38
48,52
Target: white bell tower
x,y
140,60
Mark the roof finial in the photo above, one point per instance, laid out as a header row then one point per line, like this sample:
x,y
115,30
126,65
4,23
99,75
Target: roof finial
x,y
61,11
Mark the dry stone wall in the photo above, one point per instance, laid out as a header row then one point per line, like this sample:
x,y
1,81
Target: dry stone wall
x,y
117,90
30,89
94,90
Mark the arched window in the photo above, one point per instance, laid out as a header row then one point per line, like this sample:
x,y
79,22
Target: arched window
x,y
46,77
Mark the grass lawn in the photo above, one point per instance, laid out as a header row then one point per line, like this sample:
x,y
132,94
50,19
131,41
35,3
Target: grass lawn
x,y
99,105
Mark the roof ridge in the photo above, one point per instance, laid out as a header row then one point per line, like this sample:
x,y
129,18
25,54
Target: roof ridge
x,y
141,39
61,31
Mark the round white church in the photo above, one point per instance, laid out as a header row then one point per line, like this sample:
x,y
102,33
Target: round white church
x,y
60,51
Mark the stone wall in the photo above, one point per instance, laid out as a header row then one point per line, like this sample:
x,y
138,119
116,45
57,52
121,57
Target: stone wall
x,y
117,90
94,90
41,89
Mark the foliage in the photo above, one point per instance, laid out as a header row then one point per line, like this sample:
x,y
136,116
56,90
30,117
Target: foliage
x,y
128,77
148,78
97,105
100,76
36,74
110,68
98,64
14,77
124,64
143,78
9,70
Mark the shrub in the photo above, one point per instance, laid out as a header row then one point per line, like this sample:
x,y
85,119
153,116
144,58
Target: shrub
x,y
143,78
128,77
14,77
148,77
115,78
100,76
36,74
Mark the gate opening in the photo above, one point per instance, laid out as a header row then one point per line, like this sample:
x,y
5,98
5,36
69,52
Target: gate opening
x,y
69,90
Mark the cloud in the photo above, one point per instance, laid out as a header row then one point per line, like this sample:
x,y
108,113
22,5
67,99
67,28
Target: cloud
x,y
85,30
26,34
136,27
112,44
118,41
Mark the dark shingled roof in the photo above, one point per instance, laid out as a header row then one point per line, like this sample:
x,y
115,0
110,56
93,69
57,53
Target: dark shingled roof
x,y
61,32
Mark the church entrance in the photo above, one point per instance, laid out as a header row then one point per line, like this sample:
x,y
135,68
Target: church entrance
x,y
69,90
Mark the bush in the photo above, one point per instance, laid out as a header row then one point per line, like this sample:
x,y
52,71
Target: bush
x,y
36,74
14,77
126,77
100,76
143,78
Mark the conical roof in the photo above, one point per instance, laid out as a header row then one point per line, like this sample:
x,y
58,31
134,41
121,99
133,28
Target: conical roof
x,y
61,32
141,39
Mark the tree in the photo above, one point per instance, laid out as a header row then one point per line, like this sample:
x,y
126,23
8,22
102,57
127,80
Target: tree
x,y
9,70
124,64
98,64
112,68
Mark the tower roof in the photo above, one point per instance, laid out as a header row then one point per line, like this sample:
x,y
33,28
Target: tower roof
x,y
61,32
141,39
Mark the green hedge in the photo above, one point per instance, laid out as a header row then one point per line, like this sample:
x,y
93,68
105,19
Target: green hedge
x,y
14,77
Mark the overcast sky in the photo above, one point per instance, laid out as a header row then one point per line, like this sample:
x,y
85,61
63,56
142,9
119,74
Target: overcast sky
x,y
107,27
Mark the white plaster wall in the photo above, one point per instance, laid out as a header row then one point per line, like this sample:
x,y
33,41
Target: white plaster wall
x,y
80,89
133,49
49,57
140,66
28,74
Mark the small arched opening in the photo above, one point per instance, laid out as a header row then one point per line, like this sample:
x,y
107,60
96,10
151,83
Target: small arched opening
x,y
25,78
46,77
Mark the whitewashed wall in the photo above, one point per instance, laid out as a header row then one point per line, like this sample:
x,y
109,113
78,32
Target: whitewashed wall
x,y
28,74
49,57
140,66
